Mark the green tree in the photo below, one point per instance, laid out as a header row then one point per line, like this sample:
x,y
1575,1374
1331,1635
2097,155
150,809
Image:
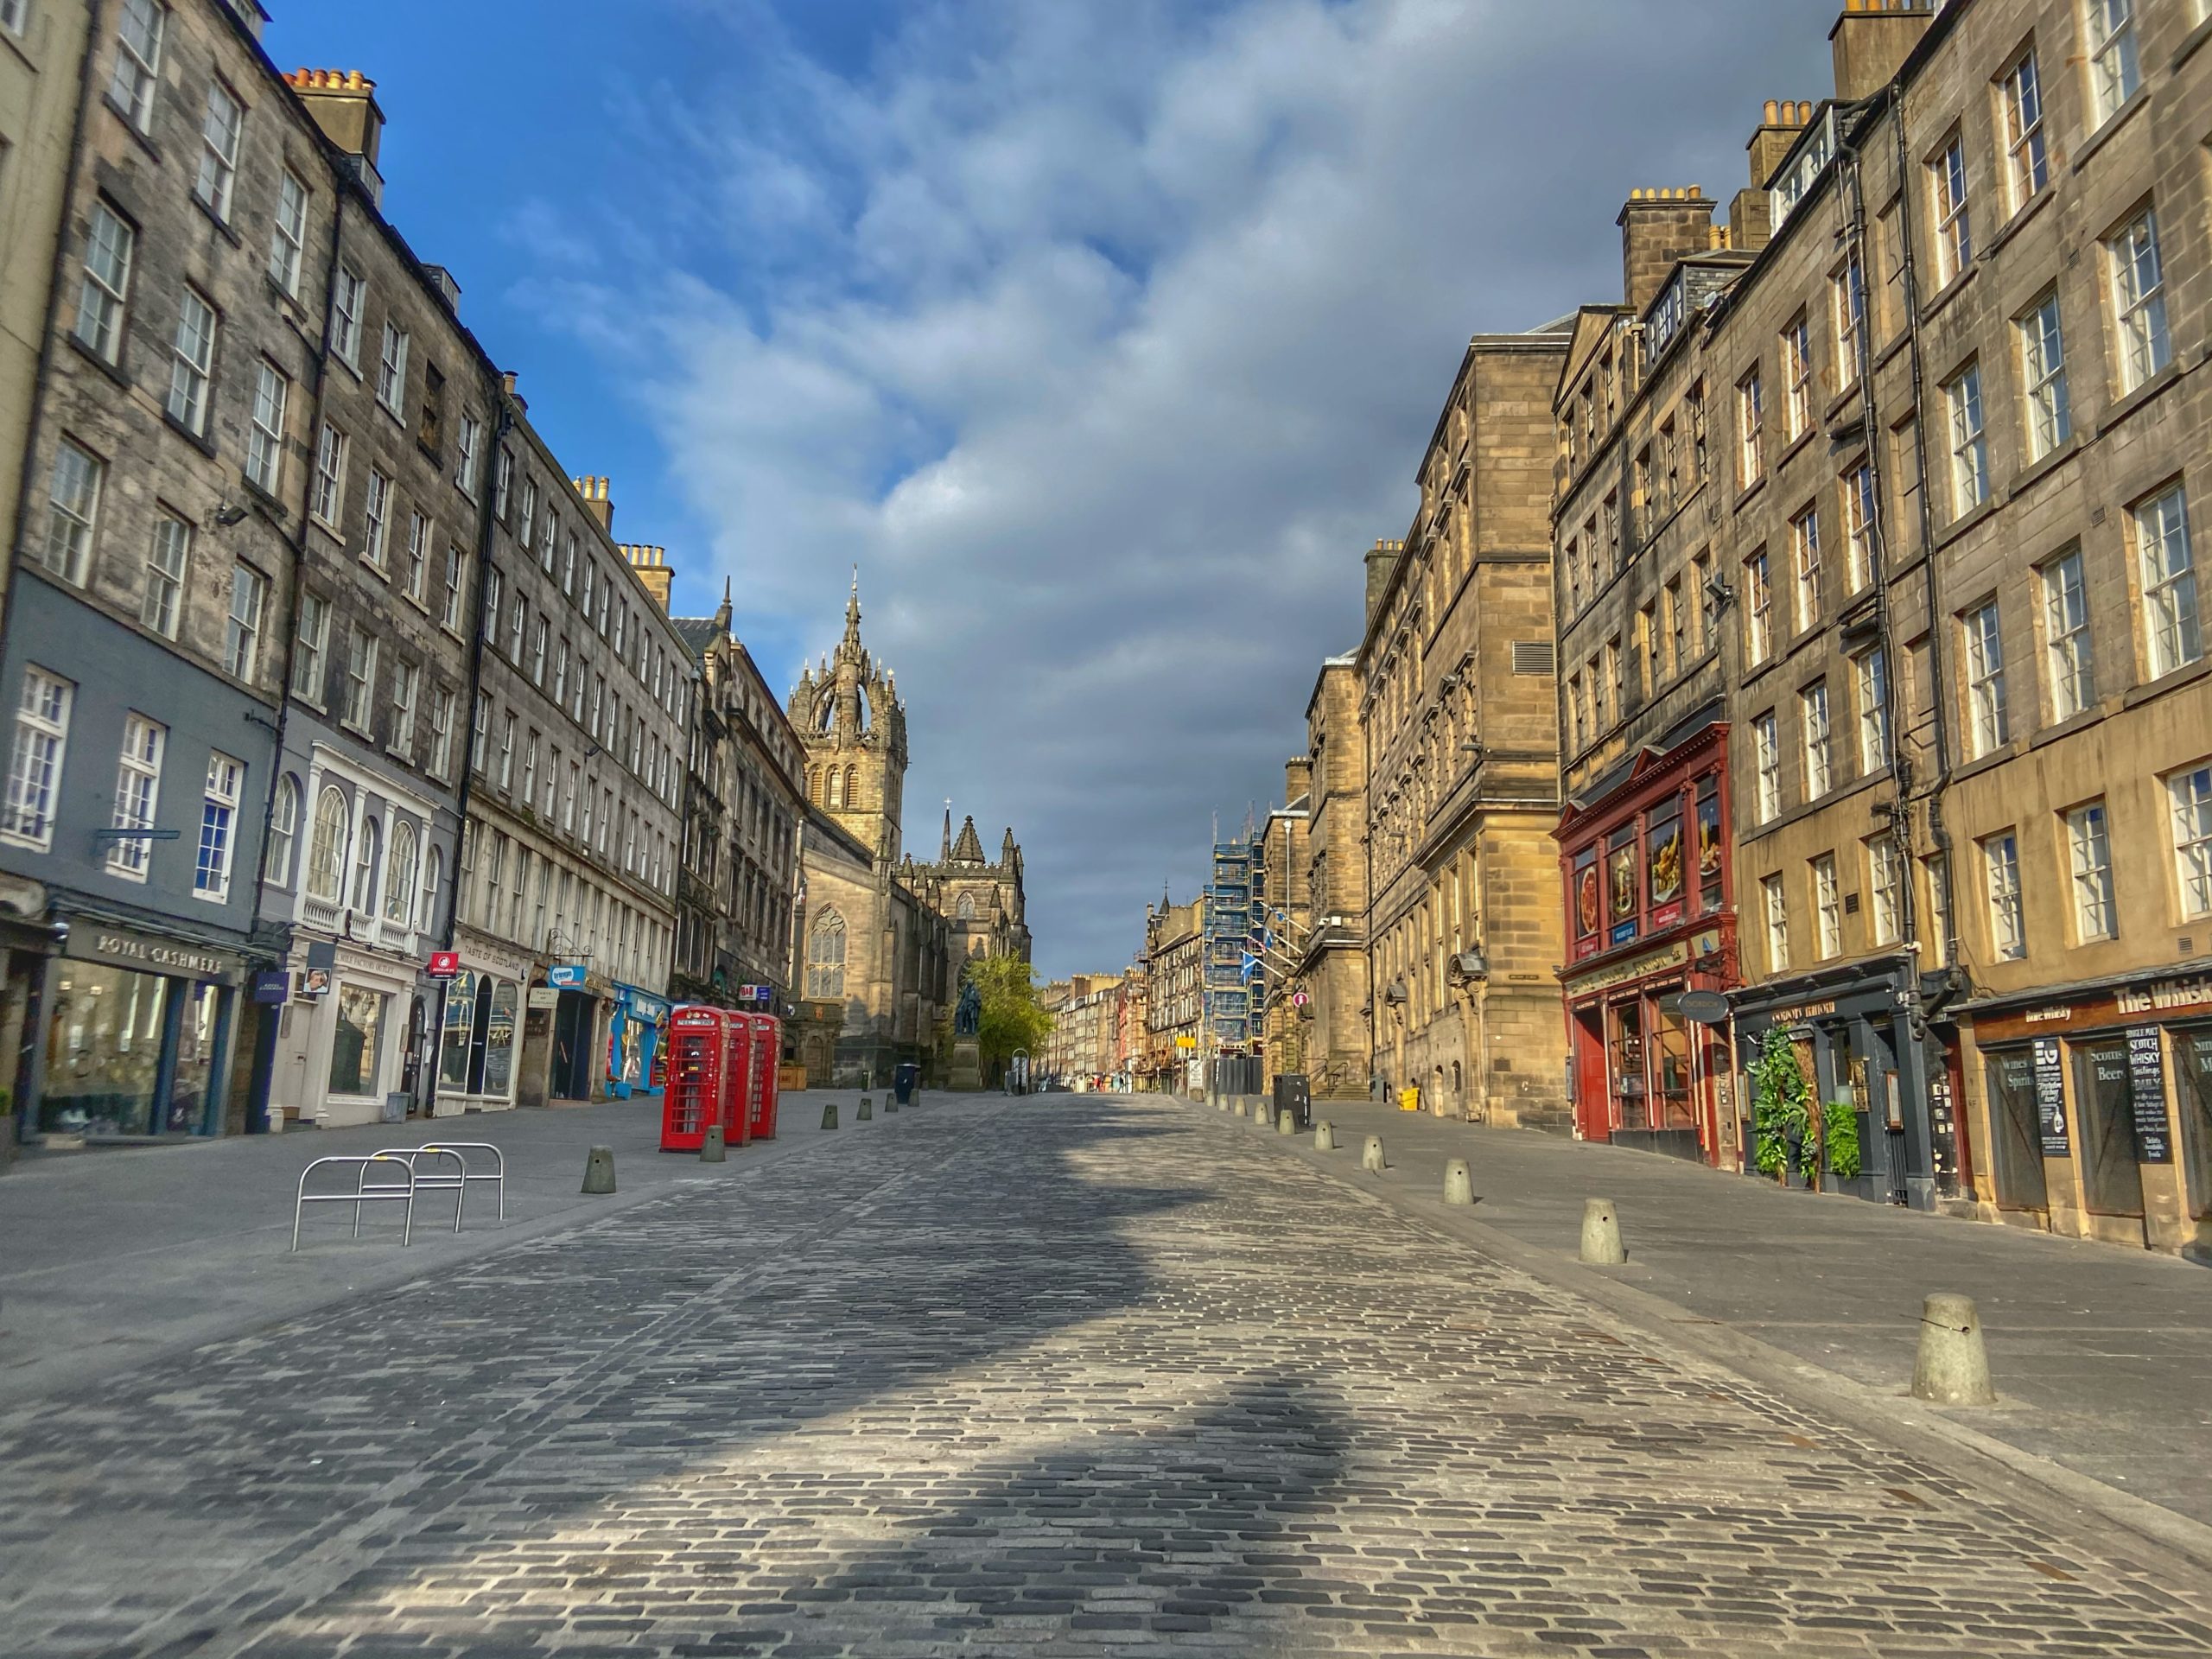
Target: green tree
x,y
1012,1017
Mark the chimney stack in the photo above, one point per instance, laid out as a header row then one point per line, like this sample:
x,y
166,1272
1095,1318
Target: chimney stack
x,y
594,493
1297,779
344,105
652,565
1871,41
1657,228
1381,559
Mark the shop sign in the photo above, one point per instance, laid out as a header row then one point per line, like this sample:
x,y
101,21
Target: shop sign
x,y
2167,993
2050,1098
148,954
645,1007
1620,973
1186,1042
1802,1013
566,975
2044,1016
544,996
272,986
2146,1076
444,964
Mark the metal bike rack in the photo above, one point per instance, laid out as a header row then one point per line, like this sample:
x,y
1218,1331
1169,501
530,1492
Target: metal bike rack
x,y
457,1150
365,1192
498,1175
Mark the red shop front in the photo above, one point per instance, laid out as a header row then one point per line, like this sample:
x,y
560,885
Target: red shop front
x,y
1650,913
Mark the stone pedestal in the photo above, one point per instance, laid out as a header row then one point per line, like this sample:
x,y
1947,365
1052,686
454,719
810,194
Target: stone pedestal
x,y
966,1074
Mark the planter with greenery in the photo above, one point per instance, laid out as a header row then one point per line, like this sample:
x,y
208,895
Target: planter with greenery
x,y
1782,1098
1842,1156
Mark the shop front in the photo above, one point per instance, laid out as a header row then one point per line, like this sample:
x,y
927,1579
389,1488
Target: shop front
x,y
2096,1101
1862,1037
480,1030
1650,916
579,996
634,1029
134,1034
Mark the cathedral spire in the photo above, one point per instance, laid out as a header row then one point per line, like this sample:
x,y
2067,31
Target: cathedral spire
x,y
853,614
945,857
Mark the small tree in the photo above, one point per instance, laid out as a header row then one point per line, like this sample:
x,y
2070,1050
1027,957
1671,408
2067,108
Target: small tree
x,y
1781,1100
1011,1017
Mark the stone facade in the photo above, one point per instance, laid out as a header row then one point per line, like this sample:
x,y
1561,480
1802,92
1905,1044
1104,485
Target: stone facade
x,y
1174,995
1332,967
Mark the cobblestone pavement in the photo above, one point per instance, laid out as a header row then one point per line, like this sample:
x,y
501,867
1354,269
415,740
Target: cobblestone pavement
x,y
1056,1376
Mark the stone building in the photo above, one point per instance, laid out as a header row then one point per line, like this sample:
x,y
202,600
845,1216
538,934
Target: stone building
x,y
1639,556
365,819
1285,856
884,935
1981,780
1083,1049
1328,960
168,455
565,917
1459,706
739,870
1175,995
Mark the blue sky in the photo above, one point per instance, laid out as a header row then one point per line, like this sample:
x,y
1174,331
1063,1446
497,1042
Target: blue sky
x,y
1103,334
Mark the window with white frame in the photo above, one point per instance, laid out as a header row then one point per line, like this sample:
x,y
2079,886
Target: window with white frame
x,y
2020,96
73,508
283,829
327,841
433,873
479,737
15,16
1797,376
35,768
1819,760
2042,378
2088,850
242,627
360,678
503,483
537,635
1828,907
2000,866
348,289
406,692
1805,561
1989,725
2174,638
2190,793
211,876
288,232
366,866
1750,431
1850,305
137,73
391,368
517,615
1969,441
2066,636
561,675
1777,923
1947,186
508,732
138,788
165,557
1859,526
442,702
2115,69
1937,867
265,438
1766,748
219,127
415,580
192,362
1885,890
449,612
327,501
1759,609
399,872
377,521
311,648
2139,298
469,459
527,520
110,245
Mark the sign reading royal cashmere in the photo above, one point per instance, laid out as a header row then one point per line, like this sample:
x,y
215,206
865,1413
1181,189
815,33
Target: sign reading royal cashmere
x,y
121,948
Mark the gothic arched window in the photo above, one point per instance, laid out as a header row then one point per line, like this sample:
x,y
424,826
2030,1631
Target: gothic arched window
x,y
967,908
814,786
825,956
837,787
852,785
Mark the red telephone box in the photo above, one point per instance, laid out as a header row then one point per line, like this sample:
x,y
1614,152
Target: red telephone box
x,y
767,1050
737,1080
698,1078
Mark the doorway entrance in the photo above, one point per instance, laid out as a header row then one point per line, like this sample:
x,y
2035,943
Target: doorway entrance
x,y
575,1020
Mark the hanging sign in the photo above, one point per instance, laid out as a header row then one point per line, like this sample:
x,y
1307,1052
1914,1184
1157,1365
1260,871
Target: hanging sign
x,y
566,975
444,964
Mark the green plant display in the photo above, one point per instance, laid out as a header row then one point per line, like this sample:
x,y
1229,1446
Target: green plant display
x,y
1781,1100
1840,1139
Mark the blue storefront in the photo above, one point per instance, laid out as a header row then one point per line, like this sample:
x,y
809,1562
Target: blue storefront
x,y
635,1027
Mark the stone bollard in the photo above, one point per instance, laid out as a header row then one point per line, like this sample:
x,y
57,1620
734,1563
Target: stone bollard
x,y
1370,1155
1237,1104
1601,1234
599,1170
1459,1184
1952,1368
829,1114
867,1110
713,1147
1325,1136
1285,1122
890,1103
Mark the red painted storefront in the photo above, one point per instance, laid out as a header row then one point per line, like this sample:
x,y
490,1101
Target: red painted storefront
x,y
1650,913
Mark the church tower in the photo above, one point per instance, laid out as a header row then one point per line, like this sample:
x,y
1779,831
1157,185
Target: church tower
x,y
849,715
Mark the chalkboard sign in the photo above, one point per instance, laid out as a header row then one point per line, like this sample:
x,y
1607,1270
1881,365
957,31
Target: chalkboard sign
x,y
2050,1098
2146,1075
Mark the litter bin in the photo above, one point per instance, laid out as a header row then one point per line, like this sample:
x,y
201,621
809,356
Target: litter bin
x,y
1294,1095
903,1081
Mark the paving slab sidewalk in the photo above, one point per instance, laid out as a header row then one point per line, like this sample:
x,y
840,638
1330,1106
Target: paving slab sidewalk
x,y
110,1258
2102,1356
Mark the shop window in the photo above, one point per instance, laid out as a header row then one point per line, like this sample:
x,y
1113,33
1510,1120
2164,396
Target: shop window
x,y
460,1016
1621,885
2104,1117
103,1051
2192,1051
357,1043
1664,866
1708,844
1631,1107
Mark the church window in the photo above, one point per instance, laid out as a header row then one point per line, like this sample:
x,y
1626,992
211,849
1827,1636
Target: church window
x,y
837,787
967,909
852,785
825,956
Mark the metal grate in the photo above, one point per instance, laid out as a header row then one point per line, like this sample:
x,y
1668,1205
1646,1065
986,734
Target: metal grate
x,y
1534,656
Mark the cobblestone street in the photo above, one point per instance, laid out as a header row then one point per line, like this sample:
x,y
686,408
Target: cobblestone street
x,y
1063,1375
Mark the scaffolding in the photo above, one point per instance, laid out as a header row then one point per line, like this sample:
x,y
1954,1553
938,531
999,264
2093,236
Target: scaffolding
x,y
1236,974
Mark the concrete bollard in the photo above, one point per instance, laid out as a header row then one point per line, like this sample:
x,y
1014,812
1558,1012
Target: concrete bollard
x,y
867,1110
1952,1368
829,1114
1325,1136
713,1147
890,1103
599,1170
1285,1122
1370,1155
1458,1183
1237,1104
1601,1234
